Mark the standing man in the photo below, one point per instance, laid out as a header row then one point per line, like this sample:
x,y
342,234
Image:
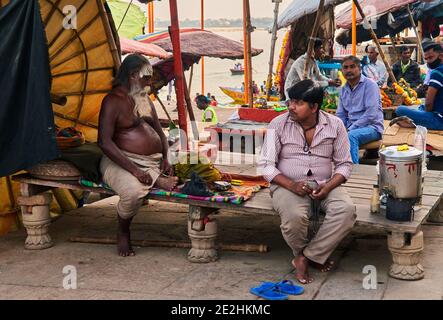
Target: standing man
x,y
296,72
430,115
306,158
375,69
134,145
407,69
359,107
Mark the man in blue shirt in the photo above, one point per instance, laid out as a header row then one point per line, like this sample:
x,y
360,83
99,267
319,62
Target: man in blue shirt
x,y
430,115
359,107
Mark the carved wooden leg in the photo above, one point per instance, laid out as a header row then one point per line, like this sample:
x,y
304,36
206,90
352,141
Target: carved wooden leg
x,y
202,230
406,252
437,214
36,219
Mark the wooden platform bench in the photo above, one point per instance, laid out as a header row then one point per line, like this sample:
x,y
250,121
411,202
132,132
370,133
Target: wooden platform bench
x,y
405,239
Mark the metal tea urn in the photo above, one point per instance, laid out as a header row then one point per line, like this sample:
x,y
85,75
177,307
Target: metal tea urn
x,y
400,181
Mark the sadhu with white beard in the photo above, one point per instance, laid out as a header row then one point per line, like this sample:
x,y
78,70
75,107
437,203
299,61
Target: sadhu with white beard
x,y
134,145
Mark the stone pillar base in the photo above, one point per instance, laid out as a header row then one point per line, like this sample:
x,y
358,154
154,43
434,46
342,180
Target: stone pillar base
x,y
36,219
203,242
406,256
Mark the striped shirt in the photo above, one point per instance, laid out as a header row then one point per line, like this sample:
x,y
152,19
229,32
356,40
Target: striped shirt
x,y
282,151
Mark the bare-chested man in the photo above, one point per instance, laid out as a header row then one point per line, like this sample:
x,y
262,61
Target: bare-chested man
x,y
134,145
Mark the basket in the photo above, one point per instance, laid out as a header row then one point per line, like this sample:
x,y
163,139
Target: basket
x,y
397,99
55,170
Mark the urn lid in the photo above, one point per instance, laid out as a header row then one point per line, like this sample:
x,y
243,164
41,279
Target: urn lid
x,y
402,152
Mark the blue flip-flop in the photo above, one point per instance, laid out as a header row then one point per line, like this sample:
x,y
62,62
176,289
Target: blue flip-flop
x,y
288,287
269,291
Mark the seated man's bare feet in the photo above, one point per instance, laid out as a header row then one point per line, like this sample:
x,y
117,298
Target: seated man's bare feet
x,y
124,248
326,267
301,264
166,183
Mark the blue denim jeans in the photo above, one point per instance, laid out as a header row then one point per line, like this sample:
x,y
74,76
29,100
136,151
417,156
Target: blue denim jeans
x,y
430,120
358,137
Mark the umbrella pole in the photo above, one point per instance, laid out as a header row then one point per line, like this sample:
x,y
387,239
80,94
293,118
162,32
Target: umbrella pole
x,y
174,32
414,26
195,132
377,43
273,41
354,30
245,60
313,35
248,70
202,58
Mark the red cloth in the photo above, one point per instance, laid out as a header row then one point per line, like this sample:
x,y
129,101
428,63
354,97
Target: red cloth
x,y
259,115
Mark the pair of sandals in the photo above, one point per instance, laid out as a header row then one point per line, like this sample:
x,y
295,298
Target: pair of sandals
x,y
277,291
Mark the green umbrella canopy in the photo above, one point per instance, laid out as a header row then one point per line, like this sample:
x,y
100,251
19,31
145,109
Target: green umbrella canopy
x,y
134,20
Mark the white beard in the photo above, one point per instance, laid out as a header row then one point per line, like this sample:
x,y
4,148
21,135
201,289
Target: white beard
x,y
143,104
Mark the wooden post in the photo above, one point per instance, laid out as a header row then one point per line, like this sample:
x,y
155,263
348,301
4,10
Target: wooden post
x,y
174,32
377,43
313,35
248,70
273,41
394,46
354,30
203,58
419,45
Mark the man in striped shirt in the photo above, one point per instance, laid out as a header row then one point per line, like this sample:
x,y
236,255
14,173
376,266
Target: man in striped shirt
x,y
306,158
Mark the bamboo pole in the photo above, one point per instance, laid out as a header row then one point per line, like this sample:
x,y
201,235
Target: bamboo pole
x,y
174,32
377,43
420,57
419,44
313,35
151,16
202,58
273,41
163,107
190,78
354,30
244,247
248,70
245,60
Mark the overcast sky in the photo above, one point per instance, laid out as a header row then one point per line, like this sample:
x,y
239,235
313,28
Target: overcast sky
x,y
216,9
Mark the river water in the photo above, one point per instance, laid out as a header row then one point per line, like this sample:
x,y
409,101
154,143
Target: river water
x,y
217,71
